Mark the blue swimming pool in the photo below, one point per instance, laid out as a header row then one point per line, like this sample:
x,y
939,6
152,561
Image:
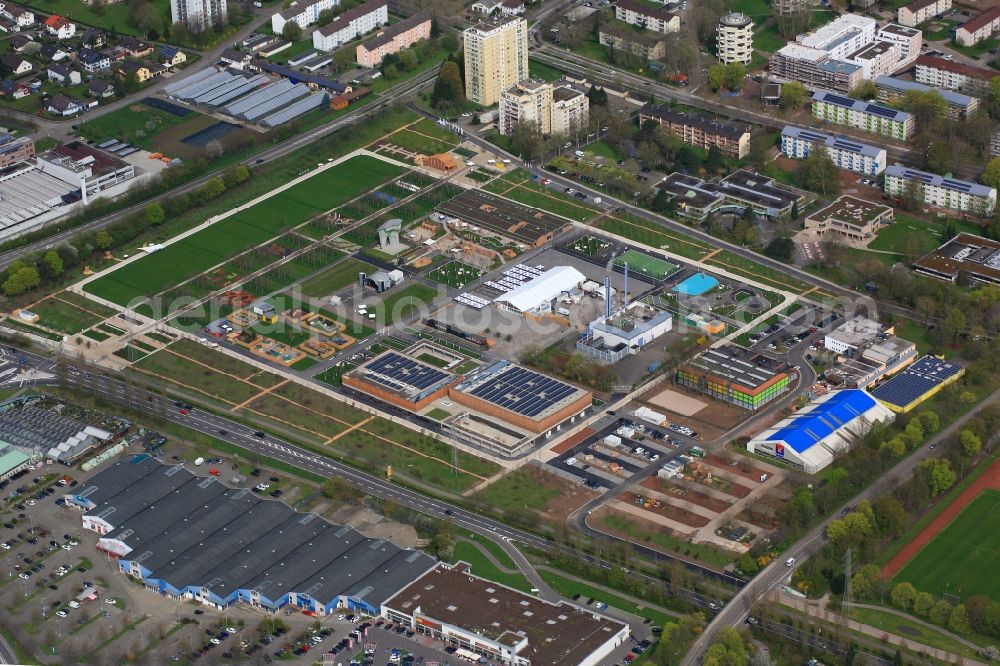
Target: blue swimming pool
x,y
696,285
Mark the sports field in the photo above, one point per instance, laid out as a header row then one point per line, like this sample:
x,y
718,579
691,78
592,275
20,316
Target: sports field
x,y
963,558
644,264
455,274
240,232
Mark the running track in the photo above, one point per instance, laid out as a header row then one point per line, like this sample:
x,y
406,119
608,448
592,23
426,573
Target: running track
x,y
988,479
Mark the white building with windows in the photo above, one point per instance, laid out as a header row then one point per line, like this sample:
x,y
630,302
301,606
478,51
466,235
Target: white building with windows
x,y
846,153
351,24
907,41
199,15
304,13
940,191
841,37
734,39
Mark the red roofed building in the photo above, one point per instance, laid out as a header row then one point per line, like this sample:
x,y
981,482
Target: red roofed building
x,y
60,27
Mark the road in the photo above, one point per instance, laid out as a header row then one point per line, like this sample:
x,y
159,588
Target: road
x,y
117,390
401,92
776,573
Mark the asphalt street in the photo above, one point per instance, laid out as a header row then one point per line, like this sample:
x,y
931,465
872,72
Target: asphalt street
x,y
777,573
299,141
116,389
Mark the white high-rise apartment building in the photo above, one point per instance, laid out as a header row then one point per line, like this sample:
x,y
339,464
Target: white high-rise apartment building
x,y
842,37
734,39
496,57
198,15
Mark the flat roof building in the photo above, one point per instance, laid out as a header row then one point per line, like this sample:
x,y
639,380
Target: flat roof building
x,y
842,36
192,538
734,39
529,101
814,68
610,339
496,57
846,153
973,257
697,198
827,427
14,150
526,398
504,625
537,295
12,461
851,219
919,382
735,376
940,191
400,380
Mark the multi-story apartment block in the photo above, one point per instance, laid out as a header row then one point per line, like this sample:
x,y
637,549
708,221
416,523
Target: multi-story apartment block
x,y
919,11
732,140
199,15
841,37
618,36
940,73
734,39
652,18
303,13
496,57
570,111
840,110
979,27
529,101
351,24
846,153
906,40
394,39
959,106
940,191
814,69
875,59
558,111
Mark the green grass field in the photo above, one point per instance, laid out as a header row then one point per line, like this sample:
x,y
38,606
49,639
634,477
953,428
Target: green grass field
x,y
335,278
112,17
601,149
135,123
59,315
960,559
455,274
643,264
242,231
402,303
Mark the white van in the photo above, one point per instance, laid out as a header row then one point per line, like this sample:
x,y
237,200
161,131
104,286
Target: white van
x,y
578,153
199,461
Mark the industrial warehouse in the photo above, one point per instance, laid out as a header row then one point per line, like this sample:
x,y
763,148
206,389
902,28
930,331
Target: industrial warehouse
x,y
193,538
509,626
823,429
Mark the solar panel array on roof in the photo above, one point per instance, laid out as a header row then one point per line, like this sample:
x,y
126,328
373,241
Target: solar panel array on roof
x,y
402,372
259,97
881,111
808,428
306,105
522,391
234,90
264,107
922,376
200,75
203,85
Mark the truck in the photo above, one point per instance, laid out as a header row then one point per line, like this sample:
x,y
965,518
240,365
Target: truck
x,y
697,452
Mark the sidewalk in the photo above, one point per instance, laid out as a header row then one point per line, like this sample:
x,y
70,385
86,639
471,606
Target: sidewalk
x,y
814,609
